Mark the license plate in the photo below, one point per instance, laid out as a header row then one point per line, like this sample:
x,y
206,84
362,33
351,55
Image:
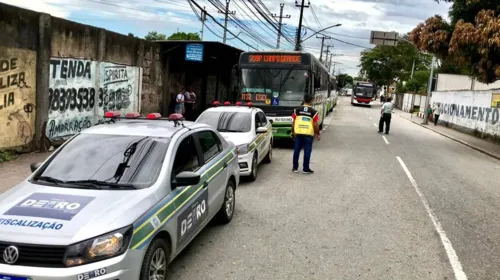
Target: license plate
x,y
6,277
275,130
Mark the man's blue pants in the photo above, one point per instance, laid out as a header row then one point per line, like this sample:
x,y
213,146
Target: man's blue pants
x,y
302,141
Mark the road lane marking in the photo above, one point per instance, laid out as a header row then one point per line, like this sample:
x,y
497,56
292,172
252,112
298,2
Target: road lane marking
x,y
450,252
385,139
371,118
375,125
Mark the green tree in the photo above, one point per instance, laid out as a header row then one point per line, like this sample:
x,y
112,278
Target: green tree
x,y
155,36
469,43
185,36
384,65
418,82
343,80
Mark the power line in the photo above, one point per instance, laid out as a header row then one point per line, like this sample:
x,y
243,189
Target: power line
x,y
259,25
199,7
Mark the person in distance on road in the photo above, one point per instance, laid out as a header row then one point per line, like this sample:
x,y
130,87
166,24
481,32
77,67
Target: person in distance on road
x,y
437,111
385,116
304,127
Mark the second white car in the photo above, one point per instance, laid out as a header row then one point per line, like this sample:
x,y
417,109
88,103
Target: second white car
x,y
249,129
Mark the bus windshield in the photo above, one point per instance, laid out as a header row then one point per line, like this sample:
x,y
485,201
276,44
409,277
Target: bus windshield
x,y
274,87
365,91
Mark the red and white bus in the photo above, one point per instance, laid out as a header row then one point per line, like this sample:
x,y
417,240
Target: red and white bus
x,y
363,93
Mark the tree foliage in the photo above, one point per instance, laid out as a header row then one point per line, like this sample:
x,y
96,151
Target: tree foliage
x,y
155,36
470,42
384,65
185,36
343,80
419,81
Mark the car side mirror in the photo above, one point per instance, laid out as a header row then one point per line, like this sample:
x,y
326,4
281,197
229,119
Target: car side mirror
x,y
261,130
186,178
34,166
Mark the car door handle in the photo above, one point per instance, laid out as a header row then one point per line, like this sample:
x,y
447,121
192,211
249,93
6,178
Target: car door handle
x,y
205,184
225,164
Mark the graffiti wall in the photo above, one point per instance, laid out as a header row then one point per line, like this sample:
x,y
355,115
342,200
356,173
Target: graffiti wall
x,y
82,90
475,110
17,97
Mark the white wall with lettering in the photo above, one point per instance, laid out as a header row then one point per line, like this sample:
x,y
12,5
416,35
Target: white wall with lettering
x,y
80,91
470,109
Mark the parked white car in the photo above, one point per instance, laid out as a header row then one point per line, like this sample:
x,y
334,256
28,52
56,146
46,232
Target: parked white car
x,y
249,129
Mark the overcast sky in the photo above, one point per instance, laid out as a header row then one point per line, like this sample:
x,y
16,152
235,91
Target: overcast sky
x,y
358,18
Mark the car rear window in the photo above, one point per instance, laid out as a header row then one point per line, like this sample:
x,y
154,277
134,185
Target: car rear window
x,y
98,157
227,121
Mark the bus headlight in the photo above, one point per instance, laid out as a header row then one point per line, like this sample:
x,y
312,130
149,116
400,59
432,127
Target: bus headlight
x,y
96,249
243,149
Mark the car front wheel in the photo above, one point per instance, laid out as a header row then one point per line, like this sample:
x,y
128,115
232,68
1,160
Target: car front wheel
x,y
269,156
253,175
155,263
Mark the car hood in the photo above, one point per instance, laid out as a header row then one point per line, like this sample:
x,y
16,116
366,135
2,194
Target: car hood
x,y
237,138
31,213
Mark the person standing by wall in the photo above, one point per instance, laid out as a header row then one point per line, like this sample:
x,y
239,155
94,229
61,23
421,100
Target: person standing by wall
x,y
304,127
179,99
437,111
192,103
385,116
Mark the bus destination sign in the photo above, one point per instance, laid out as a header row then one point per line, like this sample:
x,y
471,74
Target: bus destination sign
x,y
278,58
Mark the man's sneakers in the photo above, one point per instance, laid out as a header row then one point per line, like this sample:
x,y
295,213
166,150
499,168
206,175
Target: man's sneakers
x,y
304,171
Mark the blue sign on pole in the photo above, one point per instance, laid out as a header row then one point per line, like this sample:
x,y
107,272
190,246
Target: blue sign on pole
x,y
194,52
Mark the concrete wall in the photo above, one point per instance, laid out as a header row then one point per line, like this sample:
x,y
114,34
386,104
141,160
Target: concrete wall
x,y
462,82
413,101
81,91
17,96
476,112
71,74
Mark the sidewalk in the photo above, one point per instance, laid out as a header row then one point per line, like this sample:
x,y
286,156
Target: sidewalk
x,y
483,146
17,170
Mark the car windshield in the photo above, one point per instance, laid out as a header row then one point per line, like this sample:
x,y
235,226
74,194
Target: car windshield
x,y
227,121
107,160
274,87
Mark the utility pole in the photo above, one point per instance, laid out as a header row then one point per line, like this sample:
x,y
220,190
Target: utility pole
x,y
203,19
282,5
302,6
330,64
327,52
322,43
226,13
429,89
413,69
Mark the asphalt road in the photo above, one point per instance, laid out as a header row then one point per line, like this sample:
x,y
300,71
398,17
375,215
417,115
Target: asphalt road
x,y
360,216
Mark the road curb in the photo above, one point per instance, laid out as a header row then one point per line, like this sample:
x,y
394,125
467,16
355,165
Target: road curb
x,y
457,140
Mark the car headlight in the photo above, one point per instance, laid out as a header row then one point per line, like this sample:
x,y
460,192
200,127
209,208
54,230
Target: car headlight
x,y
96,249
242,149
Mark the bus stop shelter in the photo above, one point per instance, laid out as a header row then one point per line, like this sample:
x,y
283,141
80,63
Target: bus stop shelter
x,y
207,67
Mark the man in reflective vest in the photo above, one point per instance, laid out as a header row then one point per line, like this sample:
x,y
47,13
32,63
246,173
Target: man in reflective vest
x,y
304,127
